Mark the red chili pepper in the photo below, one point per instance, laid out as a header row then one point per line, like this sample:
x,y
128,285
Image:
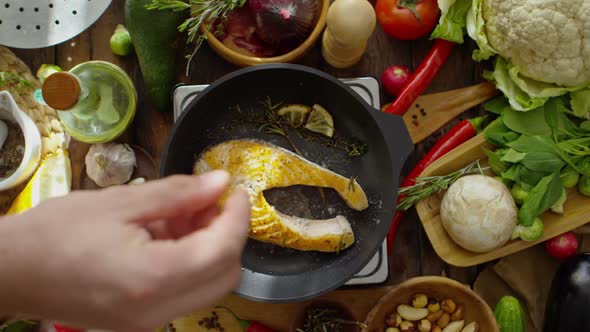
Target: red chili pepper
x,y
250,326
422,77
60,328
459,134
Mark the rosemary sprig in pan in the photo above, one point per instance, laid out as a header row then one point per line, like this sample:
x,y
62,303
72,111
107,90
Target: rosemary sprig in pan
x,y
430,185
201,12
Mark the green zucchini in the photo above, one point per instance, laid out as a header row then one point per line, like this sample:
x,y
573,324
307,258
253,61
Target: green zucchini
x,y
154,35
509,315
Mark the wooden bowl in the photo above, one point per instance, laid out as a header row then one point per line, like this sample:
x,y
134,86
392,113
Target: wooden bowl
x,y
434,287
243,60
349,315
576,211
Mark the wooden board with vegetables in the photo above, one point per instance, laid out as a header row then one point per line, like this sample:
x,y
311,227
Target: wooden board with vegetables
x,y
536,138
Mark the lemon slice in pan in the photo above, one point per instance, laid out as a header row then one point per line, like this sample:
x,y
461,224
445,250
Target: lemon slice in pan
x,y
320,121
294,113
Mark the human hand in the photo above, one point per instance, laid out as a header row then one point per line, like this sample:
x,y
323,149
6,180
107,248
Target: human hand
x,y
127,258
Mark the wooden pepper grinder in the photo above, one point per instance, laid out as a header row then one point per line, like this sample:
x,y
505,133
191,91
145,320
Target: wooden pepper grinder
x,y
350,23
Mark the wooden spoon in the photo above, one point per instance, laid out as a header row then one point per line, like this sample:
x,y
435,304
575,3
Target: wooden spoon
x,y
430,112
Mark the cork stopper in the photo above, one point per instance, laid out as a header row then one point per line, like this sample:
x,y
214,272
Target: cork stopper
x,y
61,91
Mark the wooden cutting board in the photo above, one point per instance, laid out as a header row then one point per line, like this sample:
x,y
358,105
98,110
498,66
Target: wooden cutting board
x,y
431,112
576,211
281,316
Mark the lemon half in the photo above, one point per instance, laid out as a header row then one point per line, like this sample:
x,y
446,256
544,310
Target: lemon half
x,y
294,113
52,179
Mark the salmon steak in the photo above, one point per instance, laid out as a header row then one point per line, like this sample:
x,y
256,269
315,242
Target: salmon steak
x,y
256,166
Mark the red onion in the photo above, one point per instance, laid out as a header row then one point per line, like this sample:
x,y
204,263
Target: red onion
x,y
283,21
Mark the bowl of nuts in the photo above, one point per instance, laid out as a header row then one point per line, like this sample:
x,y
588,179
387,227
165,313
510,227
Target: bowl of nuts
x,y
431,304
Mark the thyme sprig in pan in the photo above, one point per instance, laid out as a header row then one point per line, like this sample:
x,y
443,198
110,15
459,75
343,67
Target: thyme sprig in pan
x,y
326,320
430,185
270,122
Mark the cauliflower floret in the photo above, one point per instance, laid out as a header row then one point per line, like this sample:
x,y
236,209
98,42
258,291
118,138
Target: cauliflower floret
x,y
549,40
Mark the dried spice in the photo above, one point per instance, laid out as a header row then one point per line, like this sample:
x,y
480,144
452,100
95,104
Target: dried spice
x,y
12,151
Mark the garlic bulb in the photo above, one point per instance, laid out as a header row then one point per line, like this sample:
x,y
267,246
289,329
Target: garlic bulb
x,y
110,164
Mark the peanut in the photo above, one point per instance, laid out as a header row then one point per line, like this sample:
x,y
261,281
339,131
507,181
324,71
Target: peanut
x,y
407,326
424,325
420,301
434,316
458,314
444,320
448,306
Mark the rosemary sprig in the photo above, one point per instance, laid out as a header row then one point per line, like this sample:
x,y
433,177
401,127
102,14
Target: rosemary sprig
x,y
13,79
326,320
202,12
429,185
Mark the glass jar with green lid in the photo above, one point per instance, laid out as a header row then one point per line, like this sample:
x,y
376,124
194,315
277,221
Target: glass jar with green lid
x,y
95,101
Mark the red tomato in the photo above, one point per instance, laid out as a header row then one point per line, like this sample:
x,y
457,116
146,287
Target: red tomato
x,y
399,21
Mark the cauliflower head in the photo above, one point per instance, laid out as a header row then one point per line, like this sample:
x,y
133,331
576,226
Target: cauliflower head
x,y
548,40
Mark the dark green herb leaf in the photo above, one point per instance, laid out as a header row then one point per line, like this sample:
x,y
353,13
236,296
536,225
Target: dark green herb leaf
x,y
543,196
513,156
498,134
543,161
497,105
495,161
528,123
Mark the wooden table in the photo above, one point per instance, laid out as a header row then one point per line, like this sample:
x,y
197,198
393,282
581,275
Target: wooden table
x,y
413,254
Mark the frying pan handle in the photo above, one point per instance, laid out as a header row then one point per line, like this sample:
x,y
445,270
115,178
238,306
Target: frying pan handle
x,y
396,136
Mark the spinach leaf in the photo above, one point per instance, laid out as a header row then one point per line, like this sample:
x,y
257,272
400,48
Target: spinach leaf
x,y
498,134
535,143
495,161
584,166
497,105
513,156
528,123
531,177
513,173
556,116
543,161
543,196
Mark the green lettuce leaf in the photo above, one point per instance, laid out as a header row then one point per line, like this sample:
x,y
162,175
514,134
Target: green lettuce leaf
x,y
477,31
453,20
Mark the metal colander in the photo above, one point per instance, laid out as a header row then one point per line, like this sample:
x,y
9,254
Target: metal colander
x,y
43,23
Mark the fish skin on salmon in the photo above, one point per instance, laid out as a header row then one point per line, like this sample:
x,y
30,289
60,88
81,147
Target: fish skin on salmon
x,y
256,166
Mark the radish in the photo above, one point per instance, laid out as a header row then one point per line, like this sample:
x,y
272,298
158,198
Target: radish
x,y
395,78
562,246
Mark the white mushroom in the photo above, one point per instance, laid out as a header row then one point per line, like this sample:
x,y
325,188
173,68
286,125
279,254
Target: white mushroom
x,y
479,213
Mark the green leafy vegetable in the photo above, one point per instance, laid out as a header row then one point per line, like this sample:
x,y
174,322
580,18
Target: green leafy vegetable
x,y
498,134
580,101
531,177
453,20
529,123
519,194
513,156
585,126
558,206
569,177
543,196
497,105
513,173
542,161
495,161
529,233
584,185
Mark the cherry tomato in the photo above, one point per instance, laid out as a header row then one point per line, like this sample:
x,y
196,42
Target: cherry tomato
x,y
407,19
